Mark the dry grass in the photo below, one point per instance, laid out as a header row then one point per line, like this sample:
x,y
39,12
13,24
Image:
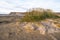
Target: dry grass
x,y
13,31
57,22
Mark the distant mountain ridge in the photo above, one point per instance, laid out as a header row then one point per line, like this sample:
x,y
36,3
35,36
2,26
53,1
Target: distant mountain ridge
x,y
57,13
21,14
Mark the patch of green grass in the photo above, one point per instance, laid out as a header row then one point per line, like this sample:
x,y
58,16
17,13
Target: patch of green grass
x,y
34,16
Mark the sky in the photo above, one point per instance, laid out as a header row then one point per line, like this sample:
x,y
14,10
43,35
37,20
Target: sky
x,y
7,6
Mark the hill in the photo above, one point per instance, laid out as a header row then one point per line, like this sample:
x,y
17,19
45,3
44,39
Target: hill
x,y
12,28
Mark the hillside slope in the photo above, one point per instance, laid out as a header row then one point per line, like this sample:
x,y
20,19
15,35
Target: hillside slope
x,y
14,30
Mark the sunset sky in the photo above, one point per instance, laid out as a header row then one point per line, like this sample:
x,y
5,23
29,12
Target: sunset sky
x,y
7,6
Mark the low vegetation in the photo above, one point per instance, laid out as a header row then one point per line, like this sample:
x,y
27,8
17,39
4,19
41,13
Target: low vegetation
x,y
38,15
11,29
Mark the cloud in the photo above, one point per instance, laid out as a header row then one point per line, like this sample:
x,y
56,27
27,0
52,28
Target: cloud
x,y
7,6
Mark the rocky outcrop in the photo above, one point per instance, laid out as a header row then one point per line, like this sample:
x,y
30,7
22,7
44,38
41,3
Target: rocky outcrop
x,y
42,27
17,14
29,31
